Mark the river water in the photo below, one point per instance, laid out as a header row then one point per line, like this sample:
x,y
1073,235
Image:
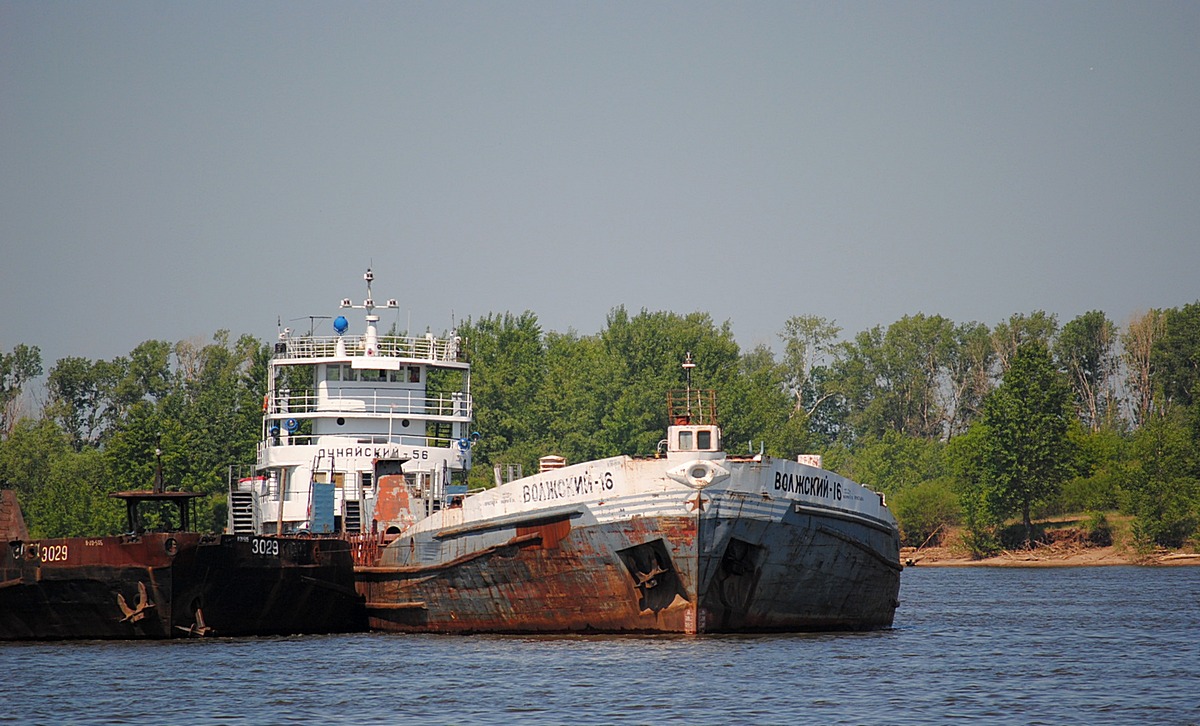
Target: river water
x,y
1117,645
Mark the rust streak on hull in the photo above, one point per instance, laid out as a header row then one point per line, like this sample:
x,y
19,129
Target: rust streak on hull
x,y
649,575
573,583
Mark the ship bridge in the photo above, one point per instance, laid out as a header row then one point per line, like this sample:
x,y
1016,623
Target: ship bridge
x,y
693,432
337,406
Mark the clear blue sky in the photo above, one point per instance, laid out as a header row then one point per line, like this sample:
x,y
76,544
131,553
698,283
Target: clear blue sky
x,y
170,169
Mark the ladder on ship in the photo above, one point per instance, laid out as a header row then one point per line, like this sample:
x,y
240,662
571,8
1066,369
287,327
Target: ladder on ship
x,y
352,522
242,505
440,433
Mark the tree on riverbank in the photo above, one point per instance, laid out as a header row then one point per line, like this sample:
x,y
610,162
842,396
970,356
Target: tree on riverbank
x,y
17,368
1026,453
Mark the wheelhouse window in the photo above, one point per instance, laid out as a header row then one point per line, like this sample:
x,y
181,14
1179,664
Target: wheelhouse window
x,y
704,440
347,373
685,440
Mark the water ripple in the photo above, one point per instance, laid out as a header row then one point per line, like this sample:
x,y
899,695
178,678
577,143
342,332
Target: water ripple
x,y
1097,645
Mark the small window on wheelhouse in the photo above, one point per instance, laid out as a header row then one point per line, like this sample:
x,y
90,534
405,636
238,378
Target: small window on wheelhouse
x,y
704,440
685,440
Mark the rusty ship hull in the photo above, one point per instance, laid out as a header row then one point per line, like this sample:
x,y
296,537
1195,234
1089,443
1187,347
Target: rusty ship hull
x,y
75,587
181,584
689,543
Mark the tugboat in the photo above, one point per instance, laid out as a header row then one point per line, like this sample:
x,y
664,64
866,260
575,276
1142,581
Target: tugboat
x,y
691,540
165,580
363,434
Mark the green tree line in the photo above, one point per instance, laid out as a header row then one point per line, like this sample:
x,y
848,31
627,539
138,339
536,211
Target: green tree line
x,y
957,423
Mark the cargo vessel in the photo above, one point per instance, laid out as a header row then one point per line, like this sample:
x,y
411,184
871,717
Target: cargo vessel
x,y
162,579
691,540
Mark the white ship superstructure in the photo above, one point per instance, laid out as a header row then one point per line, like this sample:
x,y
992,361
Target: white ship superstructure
x,y
343,412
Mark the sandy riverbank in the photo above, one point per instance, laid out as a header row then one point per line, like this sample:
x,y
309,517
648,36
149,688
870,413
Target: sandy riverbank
x,y
1045,556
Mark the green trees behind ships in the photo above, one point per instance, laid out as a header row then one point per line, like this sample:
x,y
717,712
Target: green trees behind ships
x,y
957,423
102,421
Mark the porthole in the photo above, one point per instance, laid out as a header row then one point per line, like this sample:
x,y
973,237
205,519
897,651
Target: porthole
x,y
341,421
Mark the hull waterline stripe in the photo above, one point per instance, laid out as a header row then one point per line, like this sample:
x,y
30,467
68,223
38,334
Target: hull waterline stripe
x,y
853,542
384,570
802,508
524,519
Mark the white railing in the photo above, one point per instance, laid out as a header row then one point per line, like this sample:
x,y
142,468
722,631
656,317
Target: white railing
x,y
372,401
352,487
440,350
362,440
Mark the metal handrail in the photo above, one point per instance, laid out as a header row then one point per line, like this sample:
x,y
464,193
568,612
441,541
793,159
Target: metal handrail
x,y
425,348
697,406
367,439
373,402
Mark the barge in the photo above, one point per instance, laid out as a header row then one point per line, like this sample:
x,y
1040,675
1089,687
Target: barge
x,y
161,579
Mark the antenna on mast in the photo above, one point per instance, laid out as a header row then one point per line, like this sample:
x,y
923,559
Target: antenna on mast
x,y
370,337
688,365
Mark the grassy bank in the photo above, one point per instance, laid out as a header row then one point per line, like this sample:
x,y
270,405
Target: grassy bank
x,y
1072,540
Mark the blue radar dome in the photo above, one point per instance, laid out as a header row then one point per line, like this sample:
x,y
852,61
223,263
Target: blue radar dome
x,y
340,324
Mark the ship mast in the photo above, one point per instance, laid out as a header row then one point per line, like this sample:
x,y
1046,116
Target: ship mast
x,y
159,486
371,336
688,365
